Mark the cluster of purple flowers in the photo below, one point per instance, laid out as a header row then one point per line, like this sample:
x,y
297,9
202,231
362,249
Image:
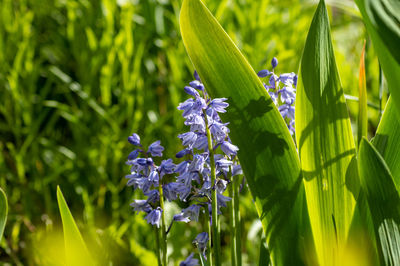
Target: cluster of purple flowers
x,y
282,90
192,176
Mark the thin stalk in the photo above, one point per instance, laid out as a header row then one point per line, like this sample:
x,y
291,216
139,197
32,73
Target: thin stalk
x,y
163,227
232,224
236,188
215,231
156,232
208,230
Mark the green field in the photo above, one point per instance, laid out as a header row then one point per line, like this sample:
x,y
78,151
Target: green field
x,y
78,77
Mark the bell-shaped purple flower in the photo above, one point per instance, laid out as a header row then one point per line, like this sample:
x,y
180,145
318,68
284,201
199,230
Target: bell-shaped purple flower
x,y
134,139
141,205
190,261
156,149
154,217
263,73
201,242
228,148
191,91
188,138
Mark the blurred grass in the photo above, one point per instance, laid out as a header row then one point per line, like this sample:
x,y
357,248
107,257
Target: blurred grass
x,y
78,77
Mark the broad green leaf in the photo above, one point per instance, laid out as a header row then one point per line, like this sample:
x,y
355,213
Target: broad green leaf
x,y
387,140
325,143
383,200
382,20
3,212
267,152
76,252
362,128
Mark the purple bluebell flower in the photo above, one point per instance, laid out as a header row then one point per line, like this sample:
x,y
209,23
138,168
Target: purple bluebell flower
x,y
186,107
188,138
196,76
223,165
263,73
237,170
228,148
282,95
191,213
154,178
274,62
219,131
141,205
134,139
197,163
219,105
201,242
191,91
170,191
184,191
154,217
133,155
182,153
220,185
156,149
166,167
189,261
221,201
153,196
182,167
201,142
196,123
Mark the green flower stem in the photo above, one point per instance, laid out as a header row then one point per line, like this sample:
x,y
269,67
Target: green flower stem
x,y
232,225
236,189
157,233
215,231
208,230
163,227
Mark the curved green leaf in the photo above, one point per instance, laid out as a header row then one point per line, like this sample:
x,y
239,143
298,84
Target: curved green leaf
x,y
382,20
267,152
76,252
3,212
387,140
383,200
325,143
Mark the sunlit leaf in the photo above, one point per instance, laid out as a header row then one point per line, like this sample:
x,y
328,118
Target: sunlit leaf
x,y
267,152
76,252
387,140
383,200
325,143
382,20
3,212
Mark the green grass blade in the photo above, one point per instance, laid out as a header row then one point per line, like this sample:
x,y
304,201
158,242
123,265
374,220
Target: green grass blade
x,y
387,140
76,252
383,200
362,128
325,143
381,19
3,212
267,152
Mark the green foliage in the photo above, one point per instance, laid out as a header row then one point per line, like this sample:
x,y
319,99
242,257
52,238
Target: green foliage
x,y
76,252
381,19
325,142
384,202
3,212
77,77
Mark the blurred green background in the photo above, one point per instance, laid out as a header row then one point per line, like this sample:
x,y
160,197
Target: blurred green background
x,y
78,77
